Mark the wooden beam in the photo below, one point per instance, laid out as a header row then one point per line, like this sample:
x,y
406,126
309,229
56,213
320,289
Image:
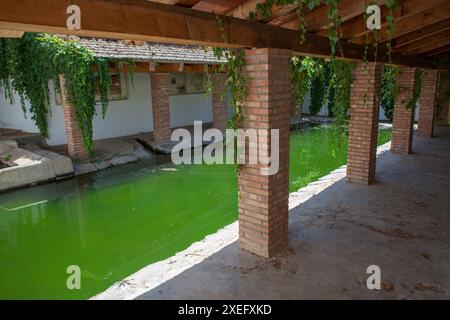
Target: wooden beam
x,y
171,2
318,18
437,51
416,14
432,46
421,33
10,33
356,27
149,21
243,11
425,42
217,6
152,67
187,3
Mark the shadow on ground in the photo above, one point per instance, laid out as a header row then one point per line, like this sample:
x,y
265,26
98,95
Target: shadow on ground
x,y
400,223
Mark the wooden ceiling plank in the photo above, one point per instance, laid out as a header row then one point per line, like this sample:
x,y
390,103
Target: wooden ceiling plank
x,y
437,51
432,46
149,21
317,18
421,33
10,33
217,6
424,42
413,18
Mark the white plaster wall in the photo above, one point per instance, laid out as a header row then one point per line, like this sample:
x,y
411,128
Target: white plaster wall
x,y
187,108
11,115
124,117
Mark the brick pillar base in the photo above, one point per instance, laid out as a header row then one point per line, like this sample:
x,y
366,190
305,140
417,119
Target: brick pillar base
x,y
263,200
363,126
427,103
160,84
75,145
219,107
402,125
444,102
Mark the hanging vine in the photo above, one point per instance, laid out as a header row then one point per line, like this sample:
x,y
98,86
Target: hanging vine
x,y
232,63
317,87
28,64
391,29
389,90
418,77
336,75
341,81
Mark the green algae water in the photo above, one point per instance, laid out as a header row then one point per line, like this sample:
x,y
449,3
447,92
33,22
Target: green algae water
x,y
315,153
115,222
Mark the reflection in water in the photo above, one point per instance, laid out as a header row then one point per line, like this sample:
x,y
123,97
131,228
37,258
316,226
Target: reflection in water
x,y
115,222
110,224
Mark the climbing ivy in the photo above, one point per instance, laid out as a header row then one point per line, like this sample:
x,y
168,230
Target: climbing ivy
x,y
391,5
302,70
341,81
389,90
29,63
418,77
317,88
232,63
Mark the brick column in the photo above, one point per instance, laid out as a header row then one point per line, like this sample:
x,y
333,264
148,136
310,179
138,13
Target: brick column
x,y
427,103
444,102
263,200
75,145
160,83
402,125
363,125
219,107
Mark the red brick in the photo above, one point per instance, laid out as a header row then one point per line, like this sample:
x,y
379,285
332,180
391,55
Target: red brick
x,y
160,84
363,125
263,200
75,144
219,107
402,125
427,103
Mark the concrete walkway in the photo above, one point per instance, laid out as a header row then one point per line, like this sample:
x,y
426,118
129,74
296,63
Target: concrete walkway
x,y
401,223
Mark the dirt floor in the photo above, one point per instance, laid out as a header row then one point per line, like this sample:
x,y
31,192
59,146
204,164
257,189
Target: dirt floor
x,y
401,223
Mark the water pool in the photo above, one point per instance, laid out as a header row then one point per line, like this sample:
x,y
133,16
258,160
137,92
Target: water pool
x,y
115,222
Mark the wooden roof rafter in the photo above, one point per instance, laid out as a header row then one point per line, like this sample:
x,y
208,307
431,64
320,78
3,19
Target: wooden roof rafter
x,y
178,23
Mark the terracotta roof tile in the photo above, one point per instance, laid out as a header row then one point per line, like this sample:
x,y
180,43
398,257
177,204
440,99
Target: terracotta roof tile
x,y
158,52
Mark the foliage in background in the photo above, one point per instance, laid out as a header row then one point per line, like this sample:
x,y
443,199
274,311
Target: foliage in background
x,y
29,63
389,90
235,82
341,81
317,88
329,90
418,77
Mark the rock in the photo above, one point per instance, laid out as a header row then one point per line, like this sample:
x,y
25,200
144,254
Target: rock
x,y
123,159
29,168
84,168
61,164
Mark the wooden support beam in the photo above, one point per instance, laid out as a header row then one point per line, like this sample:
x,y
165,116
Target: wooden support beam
x,y
432,46
10,33
356,27
171,2
438,51
217,6
426,43
317,18
149,21
416,14
152,67
421,33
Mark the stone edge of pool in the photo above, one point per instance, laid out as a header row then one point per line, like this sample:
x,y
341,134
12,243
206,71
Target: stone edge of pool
x,y
157,273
